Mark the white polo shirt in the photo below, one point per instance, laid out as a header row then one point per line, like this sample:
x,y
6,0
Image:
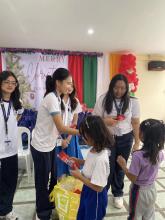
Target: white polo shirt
x,y
96,167
67,114
12,148
122,127
45,132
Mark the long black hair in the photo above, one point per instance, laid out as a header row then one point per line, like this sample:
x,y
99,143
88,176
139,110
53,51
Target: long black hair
x,y
73,100
60,74
94,127
15,96
153,138
109,97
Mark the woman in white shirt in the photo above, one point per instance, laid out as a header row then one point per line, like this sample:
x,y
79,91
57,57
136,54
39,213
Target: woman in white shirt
x,y
48,126
10,111
121,114
70,107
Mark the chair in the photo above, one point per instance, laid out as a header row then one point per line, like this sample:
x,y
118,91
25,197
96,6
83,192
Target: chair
x,y
25,152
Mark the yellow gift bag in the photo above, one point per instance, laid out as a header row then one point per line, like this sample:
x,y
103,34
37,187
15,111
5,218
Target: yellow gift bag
x,y
65,198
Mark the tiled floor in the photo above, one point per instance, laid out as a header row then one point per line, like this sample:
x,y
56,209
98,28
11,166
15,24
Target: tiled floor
x,y
24,201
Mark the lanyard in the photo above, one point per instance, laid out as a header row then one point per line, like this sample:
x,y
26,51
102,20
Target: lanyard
x,y
6,117
66,112
118,107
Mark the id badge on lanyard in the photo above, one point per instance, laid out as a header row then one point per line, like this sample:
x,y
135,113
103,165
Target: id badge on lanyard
x,y
120,116
7,141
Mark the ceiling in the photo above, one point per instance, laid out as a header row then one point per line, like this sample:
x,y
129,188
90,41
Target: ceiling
x,y
120,25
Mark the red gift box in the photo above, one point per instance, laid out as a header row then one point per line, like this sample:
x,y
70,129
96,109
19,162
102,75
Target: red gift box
x,y
68,160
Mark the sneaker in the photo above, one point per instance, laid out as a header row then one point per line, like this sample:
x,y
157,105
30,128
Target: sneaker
x,y
37,217
118,202
11,216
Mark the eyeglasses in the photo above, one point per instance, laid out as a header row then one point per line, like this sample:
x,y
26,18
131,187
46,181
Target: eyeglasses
x,y
13,83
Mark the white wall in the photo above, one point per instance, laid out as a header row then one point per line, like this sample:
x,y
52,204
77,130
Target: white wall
x,y
151,90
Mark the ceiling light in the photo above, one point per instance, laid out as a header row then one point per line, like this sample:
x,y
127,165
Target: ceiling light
x,y
90,31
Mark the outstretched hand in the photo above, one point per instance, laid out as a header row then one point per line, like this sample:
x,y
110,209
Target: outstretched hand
x,y
76,173
110,121
64,143
121,161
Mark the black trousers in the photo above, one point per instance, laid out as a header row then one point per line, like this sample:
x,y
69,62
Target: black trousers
x,y
8,183
123,145
44,181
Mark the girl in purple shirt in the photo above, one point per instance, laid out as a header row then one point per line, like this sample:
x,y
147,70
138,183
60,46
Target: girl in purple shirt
x,y
143,170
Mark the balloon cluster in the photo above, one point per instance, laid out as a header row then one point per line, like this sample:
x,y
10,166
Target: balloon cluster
x,y
128,68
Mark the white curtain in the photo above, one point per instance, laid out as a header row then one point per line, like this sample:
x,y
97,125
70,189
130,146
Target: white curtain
x,y
103,76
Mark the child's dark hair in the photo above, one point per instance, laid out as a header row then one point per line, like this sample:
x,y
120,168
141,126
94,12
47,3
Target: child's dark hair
x,y
95,128
153,138
109,97
15,96
73,99
59,74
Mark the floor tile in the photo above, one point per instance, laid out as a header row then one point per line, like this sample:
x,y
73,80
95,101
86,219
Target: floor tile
x,y
22,196
161,200
25,212
158,216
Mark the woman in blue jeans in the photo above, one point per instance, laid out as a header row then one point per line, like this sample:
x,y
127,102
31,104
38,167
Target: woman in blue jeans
x,y
121,114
